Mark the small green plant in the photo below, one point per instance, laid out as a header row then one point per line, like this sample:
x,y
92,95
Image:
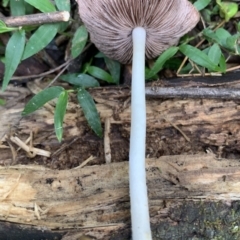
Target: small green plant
x,y
19,49
212,56
81,82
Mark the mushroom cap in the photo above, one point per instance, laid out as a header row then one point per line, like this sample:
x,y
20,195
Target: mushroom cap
x,y
111,22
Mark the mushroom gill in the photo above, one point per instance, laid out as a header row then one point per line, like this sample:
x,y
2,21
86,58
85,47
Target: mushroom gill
x,y
111,22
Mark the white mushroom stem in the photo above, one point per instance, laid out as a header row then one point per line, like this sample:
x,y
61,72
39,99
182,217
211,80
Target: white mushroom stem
x,y
138,188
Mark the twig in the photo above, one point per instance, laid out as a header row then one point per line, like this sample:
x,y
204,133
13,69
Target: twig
x,y
42,74
63,147
30,150
36,19
175,126
85,162
209,74
50,71
233,68
212,74
13,151
58,75
107,148
178,92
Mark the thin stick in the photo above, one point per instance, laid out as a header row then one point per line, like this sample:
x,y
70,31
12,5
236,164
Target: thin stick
x,y
50,71
178,92
175,126
63,147
107,147
208,74
42,74
32,150
85,162
36,19
212,74
58,75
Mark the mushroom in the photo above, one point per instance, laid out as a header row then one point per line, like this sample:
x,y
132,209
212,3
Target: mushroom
x,y
127,31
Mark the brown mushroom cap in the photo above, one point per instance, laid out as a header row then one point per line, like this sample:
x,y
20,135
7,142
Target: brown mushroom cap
x,y
110,24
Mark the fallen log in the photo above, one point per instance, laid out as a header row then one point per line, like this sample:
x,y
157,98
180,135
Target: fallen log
x,y
94,200
174,126
77,195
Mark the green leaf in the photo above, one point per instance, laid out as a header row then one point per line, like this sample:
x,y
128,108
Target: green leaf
x,y
13,55
222,34
186,69
198,57
41,98
5,3
232,43
62,27
206,15
86,66
238,26
114,68
40,39
147,73
222,37
201,4
59,114
17,7
211,35
2,101
100,74
4,28
227,9
80,79
42,5
222,64
90,111
158,65
79,41
63,5
215,53
173,63
29,9
99,55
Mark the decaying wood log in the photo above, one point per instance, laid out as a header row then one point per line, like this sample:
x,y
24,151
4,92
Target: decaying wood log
x,y
200,190
95,199
174,126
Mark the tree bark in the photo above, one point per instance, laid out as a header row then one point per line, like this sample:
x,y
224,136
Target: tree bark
x,y
36,19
